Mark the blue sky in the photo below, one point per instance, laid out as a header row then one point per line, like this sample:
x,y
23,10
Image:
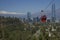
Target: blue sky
x,y
23,6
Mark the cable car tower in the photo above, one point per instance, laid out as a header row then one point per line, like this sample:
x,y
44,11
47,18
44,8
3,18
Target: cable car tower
x,y
53,12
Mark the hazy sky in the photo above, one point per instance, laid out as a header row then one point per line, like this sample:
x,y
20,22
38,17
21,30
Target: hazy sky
x,y
24,6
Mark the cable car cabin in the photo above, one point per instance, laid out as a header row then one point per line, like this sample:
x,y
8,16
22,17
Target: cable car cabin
x,y
43,18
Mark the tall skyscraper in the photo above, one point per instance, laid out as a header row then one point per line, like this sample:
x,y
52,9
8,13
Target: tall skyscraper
x,y
29,17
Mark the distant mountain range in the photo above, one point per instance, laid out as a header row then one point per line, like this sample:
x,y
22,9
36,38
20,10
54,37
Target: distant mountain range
x,y
48,13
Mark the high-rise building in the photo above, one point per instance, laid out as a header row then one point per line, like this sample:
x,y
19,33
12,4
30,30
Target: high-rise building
x,y
36,19
29,17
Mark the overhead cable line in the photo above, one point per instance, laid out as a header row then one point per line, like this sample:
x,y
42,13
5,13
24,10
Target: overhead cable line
x,y
49,4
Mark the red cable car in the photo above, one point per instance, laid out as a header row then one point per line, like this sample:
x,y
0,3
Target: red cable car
x,y
43,18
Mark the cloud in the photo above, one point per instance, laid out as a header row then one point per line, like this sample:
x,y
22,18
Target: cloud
x,y
5,12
